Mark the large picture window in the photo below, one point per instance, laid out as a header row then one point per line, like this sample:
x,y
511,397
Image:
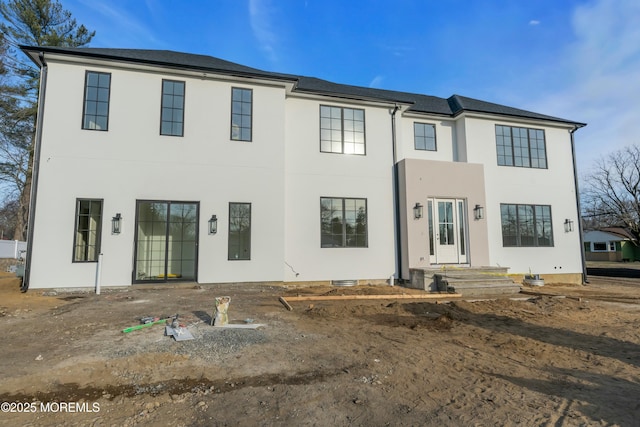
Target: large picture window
x,y
521,147
239,231
526,225
166,241
172,116
343,222
88,230
342,130
96,101
241,106
424,136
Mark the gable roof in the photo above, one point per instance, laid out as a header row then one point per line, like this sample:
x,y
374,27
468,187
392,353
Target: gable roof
x,y
419,103
609,233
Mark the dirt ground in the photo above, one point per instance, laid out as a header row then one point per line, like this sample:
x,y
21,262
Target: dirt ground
x,y
568,357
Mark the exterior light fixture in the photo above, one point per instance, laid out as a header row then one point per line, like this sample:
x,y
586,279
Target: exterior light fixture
x,y
213,224
417,211
568,225
478,212
116,223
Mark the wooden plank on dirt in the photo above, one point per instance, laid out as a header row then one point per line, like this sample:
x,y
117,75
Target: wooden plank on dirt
x,y
366,297
285,303
544,294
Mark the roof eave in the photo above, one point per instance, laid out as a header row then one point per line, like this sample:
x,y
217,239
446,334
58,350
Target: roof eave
x,y
577,125
341,95
29,50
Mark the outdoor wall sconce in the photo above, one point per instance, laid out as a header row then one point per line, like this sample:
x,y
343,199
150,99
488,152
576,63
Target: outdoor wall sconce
x,y
116,223
478,212
213,224
417,211
568,225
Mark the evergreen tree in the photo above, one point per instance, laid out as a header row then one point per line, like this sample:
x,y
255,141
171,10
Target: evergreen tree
x,y
31,23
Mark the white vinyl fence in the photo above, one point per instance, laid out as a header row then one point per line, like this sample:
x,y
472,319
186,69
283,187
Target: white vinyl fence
x,y
12,248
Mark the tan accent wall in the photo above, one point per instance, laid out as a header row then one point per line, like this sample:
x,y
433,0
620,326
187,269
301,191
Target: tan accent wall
x,y
571,278
423,179
603,256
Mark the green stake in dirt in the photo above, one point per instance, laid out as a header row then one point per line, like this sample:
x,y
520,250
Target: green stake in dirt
x,y
144,325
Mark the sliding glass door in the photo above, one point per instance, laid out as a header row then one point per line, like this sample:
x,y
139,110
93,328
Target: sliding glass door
x,y
166,241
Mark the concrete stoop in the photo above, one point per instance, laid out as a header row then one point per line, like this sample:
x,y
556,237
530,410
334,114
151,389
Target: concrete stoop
x,y
468,281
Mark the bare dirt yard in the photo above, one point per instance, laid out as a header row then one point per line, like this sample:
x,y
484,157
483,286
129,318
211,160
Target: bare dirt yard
x,y
569,356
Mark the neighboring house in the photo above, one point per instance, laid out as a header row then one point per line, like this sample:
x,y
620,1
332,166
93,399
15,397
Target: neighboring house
x,y
611,244
159,166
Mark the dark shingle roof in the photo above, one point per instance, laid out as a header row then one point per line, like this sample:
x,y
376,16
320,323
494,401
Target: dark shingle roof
x,y
623,232
421,103
451,106
164,58
462,103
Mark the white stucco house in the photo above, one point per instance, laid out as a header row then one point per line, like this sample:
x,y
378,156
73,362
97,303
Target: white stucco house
x,y
159,166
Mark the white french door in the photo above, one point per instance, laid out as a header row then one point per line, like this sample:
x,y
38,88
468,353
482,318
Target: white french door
x,y
447,231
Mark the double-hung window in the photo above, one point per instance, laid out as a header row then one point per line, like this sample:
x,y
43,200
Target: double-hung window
x,y
526,225
521,147
239,231
424,136
95,114
343,222
241,112
88,230
342,130
172,116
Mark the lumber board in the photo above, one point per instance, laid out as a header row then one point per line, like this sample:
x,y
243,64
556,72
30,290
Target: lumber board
x,y
285,303
365,297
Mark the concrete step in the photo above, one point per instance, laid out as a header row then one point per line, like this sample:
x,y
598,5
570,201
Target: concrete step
x,y
477,284
468,281
486,289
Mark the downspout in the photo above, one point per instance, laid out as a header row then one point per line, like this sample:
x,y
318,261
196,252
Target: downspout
x,y
396,195
35,170
585,279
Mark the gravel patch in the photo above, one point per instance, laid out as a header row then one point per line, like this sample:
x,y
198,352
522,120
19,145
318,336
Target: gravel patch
x,y
209,343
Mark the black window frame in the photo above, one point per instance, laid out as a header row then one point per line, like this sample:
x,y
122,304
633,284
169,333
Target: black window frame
x,y
172,108
424,137
238,238
327,234
511,152
242,115
605,244
342,130
86,101
524,230
76,230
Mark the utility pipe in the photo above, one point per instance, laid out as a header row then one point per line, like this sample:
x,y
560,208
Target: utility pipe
x,y
99,274
396,195
585,279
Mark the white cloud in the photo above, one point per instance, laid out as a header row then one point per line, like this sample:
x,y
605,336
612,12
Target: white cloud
x,y
398,50
120,27
260,15
534,22
602,85
376,82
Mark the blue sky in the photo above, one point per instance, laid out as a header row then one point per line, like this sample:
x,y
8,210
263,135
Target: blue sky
x,y
576,59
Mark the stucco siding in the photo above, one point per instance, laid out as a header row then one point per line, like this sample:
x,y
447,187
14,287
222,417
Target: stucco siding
x,y
311,174
434,179
553,186
133,162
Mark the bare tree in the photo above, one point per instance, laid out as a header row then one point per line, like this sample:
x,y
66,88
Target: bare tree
x,y
33,23
611,192
8,213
